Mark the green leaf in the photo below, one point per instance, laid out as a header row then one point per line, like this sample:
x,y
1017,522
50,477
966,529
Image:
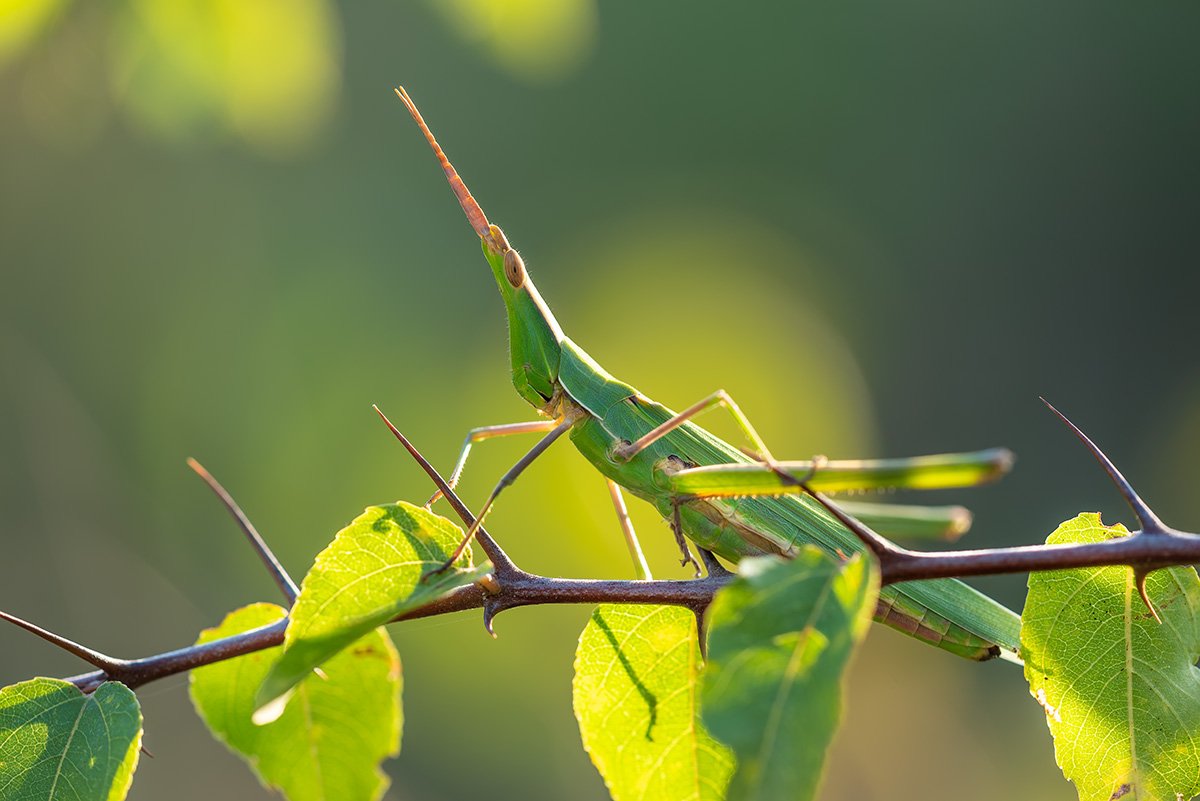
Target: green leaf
x,y
1121,691
339,726
780,638
636,680
370,573
57,744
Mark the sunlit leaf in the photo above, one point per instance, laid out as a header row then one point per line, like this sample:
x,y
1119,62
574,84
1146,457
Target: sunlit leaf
x,y
1121,691
21,21
371,572
339,726
636,685
266,71
538,40
780,638
57,744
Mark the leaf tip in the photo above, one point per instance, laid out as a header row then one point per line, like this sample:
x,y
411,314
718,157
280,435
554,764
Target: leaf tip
x,y
272,710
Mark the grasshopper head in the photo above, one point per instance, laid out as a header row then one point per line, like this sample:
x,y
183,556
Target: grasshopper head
x,y
534,335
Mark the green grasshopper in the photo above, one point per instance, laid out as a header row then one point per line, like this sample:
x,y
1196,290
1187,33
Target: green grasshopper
x,y
727,501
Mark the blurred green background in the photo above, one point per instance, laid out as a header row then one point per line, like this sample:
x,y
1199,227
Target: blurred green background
x,y
886,228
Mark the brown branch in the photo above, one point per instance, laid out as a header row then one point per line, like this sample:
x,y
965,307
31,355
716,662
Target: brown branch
x,y
520,589
1154,547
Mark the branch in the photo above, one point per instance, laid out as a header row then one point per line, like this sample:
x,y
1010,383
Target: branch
x,y
521,589
1154,546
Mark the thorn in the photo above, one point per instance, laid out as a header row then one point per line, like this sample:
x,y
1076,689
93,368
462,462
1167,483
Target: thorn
x,y
444,489
701,633
106,663
873,541
712,565
490,610
145,750
1150,521
285,582
501,562
1139,577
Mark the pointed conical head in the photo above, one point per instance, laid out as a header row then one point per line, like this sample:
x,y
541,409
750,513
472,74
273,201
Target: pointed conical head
x,y
534,335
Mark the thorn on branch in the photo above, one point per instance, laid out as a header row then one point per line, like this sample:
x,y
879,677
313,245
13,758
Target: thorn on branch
x,y
112,667
501,563
491,608
277,571
1139,578
712,565
1151,524
701,632
883,549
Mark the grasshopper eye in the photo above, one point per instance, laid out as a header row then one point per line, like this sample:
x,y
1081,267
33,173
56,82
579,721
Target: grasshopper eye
x,y
514,268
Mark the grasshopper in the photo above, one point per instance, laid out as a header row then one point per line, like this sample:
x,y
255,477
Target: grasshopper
x,y
727,501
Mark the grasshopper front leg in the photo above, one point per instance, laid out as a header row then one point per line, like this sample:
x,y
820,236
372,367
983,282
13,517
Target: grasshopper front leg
x,y
483,433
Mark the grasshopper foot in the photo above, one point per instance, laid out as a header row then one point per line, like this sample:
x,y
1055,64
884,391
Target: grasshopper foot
x,y
437,571
677,530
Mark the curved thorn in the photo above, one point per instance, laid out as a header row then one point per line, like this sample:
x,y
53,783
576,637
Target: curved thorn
x,y
106,663
1139,577
490,611
701,634
285,582
1151,524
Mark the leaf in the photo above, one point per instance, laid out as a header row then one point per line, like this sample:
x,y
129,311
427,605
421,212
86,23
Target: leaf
x,y
340,725
370,573
780,638
57,744
1121,692
636,681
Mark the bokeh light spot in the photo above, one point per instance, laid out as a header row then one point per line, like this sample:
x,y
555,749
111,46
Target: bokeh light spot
x,y
21,21
264,71
535,40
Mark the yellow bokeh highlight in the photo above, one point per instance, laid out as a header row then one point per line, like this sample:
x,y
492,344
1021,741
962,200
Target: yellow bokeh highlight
x,y
264,71
535,40
20,23
682,304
